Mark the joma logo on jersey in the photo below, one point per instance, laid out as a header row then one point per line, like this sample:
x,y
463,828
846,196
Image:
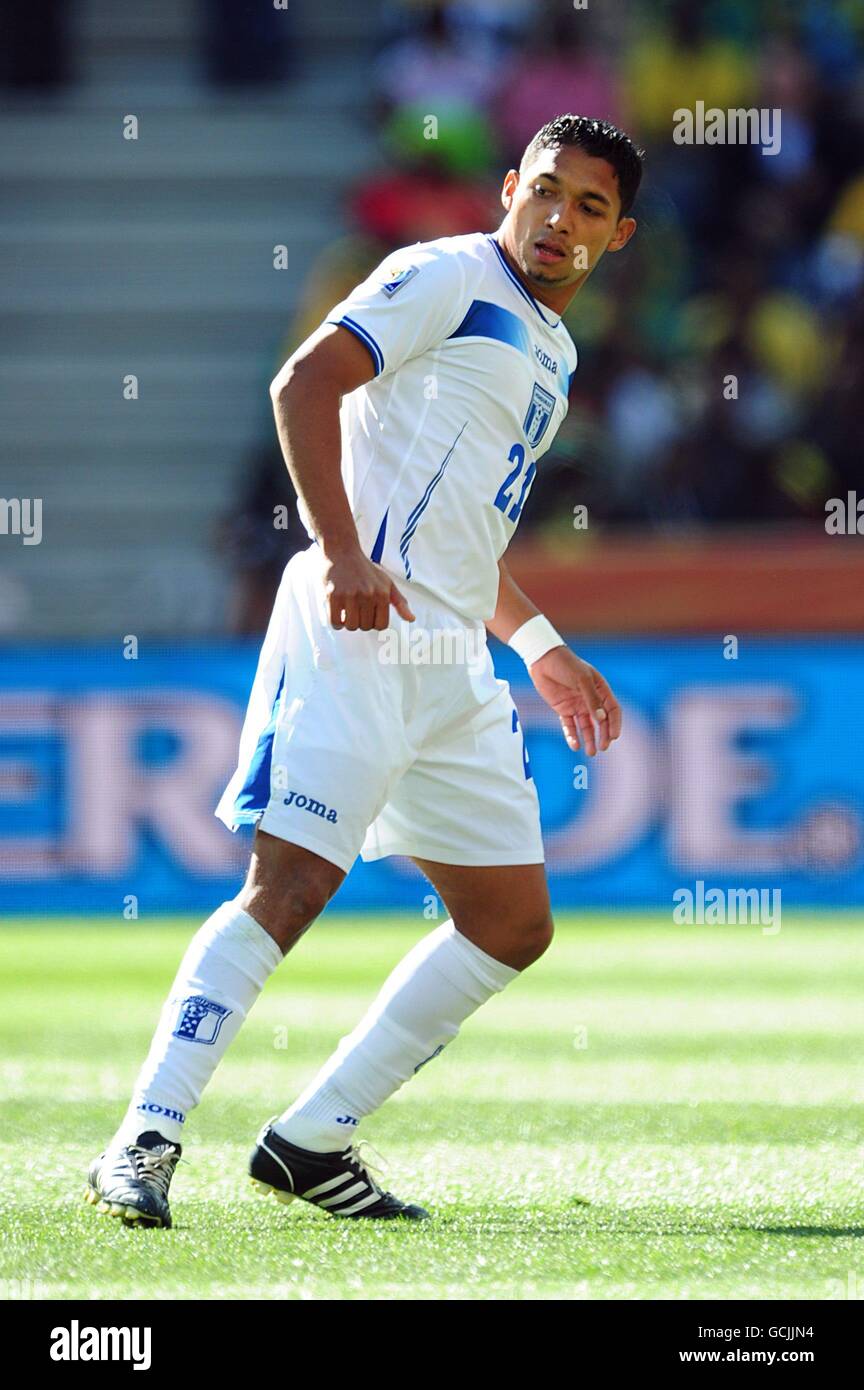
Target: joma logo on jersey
x,y
545,360
539,414
308,803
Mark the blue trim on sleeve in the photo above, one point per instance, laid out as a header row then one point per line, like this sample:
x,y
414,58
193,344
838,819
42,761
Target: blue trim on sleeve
x,y
365,337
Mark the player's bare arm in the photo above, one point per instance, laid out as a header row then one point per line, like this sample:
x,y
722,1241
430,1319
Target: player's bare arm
x,y
577,692
306,394
512,609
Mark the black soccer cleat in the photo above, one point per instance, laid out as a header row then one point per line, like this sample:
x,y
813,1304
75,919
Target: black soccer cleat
x,y
340,1183
132,1181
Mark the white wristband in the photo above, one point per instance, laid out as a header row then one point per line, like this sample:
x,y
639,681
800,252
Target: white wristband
x,y
535,638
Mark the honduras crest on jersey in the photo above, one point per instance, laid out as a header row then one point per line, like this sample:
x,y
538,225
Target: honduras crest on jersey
x,y
200,1020
539,414
398,278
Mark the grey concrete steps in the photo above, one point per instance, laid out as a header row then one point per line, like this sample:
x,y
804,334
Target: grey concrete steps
x,y
317,22
155,257
227,273
88,476
120,330
195,144
326,80
40,207
100,591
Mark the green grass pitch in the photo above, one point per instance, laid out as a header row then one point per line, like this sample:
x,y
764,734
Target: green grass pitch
x,y
700,1087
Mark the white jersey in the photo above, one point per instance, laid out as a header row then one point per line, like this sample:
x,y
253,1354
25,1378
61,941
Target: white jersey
x,y
440,448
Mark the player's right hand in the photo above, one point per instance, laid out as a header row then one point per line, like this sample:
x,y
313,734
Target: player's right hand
x,y
359,594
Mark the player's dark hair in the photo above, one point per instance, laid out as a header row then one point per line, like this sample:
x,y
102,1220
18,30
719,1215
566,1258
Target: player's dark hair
x,y
600,139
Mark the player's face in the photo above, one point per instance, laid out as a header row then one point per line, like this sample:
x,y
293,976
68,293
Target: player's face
x,y
562,215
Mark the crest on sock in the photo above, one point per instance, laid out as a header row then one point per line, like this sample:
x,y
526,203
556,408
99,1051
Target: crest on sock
x,y
200,1019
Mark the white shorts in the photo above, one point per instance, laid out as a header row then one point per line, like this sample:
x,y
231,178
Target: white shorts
x,y
372,743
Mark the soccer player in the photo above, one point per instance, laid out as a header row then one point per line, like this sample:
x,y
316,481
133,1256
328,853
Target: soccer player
x,y
412,422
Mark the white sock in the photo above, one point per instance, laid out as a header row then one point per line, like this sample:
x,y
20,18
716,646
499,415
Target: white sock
x,y
225,967
440,983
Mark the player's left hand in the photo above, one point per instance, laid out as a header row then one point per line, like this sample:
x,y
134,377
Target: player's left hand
x,y
579,696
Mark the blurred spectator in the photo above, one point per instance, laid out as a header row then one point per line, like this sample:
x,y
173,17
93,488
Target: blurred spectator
x,y
421,203
259,536
838,419
34,43
434,65
245,41
559,71
491,26
675,64
433,88
494,26
457,138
